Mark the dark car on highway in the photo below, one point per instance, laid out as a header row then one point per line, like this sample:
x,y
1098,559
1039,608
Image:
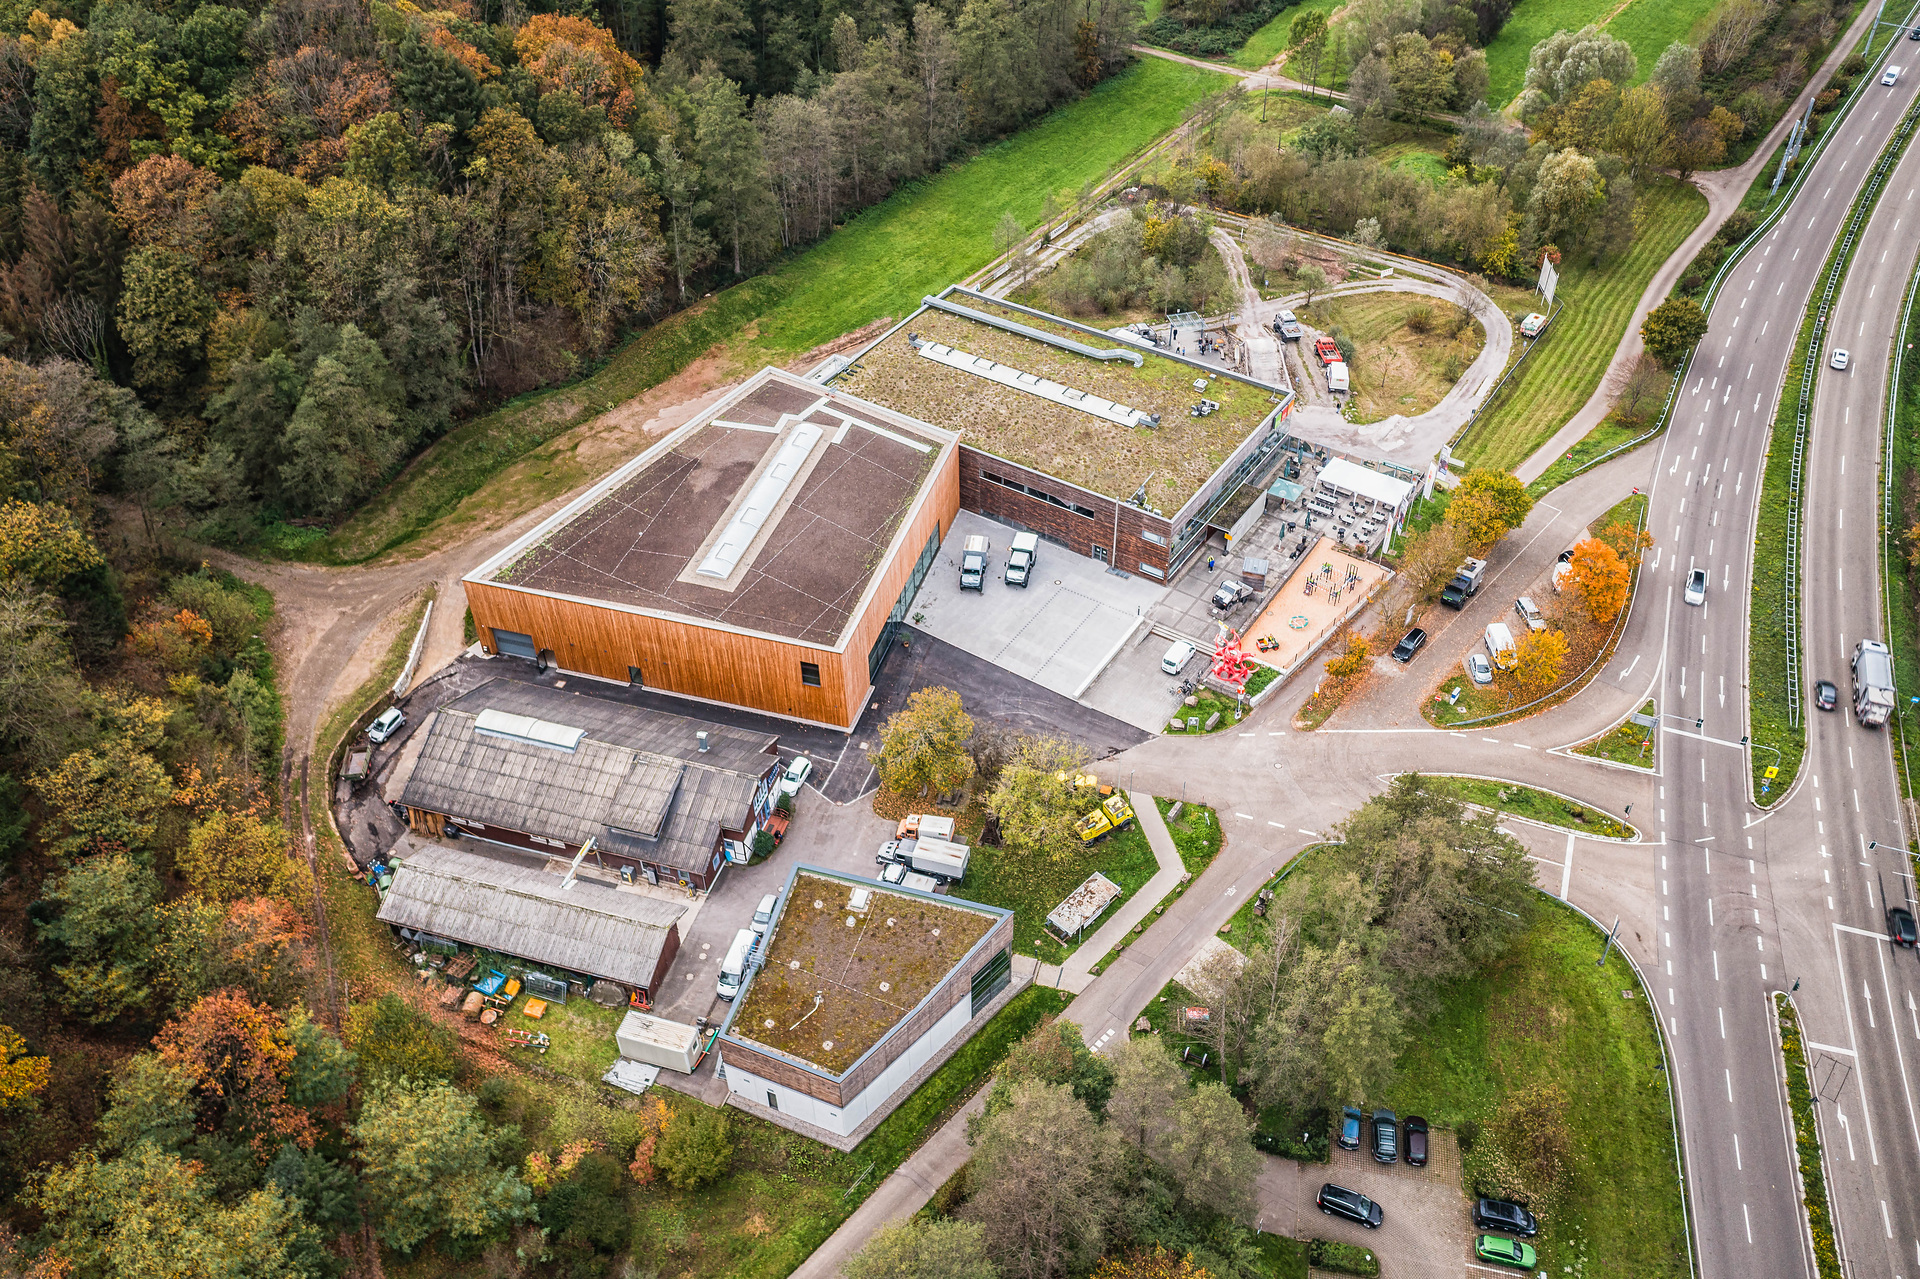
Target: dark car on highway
x,y
1386,1137
1413,1136
1338,1201
1498,1214
1350,1121
1825,695
1409,644
1900,926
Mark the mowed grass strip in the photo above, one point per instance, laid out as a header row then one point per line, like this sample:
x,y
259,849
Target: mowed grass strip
x,y
928,235
1648,25
1547,1014
1572,358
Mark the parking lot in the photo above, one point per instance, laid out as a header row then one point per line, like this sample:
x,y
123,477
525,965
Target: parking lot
x,y
1059,632
1426,1230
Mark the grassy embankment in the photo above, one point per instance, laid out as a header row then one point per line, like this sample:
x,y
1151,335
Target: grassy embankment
x,y
1196,833
926,236
1571,359
1648,25
1511,800
1396,370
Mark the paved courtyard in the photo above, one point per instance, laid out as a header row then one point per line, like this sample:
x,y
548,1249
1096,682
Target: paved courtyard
x,y
1059,632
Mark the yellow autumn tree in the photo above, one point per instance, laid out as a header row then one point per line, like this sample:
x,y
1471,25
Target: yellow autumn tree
x,y
230,856
41,544
1539,658
21,1076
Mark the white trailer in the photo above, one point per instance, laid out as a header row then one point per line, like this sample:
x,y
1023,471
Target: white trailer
x,y
671,1045
943,859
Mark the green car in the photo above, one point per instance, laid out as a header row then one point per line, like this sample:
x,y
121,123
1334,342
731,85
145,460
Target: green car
x,y
1508,1252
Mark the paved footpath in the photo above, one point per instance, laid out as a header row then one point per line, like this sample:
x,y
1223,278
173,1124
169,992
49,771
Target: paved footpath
x,y
1077,973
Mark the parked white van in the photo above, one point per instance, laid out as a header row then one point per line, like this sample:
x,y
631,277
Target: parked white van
x,y
1500,646
763,914
1178,655
733,969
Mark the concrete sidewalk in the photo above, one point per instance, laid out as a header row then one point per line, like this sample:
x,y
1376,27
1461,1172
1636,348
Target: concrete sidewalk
x,y
1076,974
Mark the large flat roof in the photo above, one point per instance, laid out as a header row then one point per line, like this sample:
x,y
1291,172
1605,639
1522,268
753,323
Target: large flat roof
x,y
771,512
1010,417
868,970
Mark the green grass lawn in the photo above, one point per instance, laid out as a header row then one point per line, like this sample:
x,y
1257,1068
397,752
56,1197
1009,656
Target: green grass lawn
x,y
1648,25
1032,886
1196,833
1535,805
928,235
1268,43
1547,1014
1627,744
1571,359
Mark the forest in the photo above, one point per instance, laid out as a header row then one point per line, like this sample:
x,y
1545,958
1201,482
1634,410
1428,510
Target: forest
x,y
307,237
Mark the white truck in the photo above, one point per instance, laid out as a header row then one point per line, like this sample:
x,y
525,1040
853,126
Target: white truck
x,y
1500,646
1873,691
1337,380
973,563
1021,559
942,859
733,969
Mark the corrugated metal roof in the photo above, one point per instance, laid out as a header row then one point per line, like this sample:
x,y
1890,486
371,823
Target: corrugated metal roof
x,y
636,779
502,903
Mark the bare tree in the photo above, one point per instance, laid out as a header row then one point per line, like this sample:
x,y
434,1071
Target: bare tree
x,y
1732,31
1043,1179
1640,390
1147,1087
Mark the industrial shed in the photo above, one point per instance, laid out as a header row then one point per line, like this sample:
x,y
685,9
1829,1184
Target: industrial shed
x,y
654,795
499,901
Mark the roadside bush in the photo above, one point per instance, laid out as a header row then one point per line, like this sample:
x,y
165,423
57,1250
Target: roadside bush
x,y
396,1042
695,1149
1420,319
1342,1258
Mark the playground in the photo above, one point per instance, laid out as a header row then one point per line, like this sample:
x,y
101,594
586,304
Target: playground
x,y
1327,588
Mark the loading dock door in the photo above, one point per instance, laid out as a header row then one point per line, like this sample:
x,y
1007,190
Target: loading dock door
x,y
514,644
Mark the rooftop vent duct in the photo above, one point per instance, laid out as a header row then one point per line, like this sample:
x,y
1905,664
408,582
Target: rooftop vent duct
x,y
761,500
703,740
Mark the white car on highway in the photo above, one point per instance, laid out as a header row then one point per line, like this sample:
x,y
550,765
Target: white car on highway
x,y
1839,358
1892,75
1697,586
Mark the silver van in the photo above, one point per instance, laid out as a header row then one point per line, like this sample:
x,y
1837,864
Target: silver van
x,y
763,914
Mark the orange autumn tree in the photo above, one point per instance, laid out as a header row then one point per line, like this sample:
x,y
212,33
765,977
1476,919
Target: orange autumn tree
x,y
239,1054
1627,541
1600,578
572,55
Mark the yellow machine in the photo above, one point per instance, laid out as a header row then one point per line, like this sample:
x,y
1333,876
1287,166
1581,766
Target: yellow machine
x,y
1112,814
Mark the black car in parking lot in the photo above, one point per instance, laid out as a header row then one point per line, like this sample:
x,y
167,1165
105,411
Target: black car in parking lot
x,y
1413,1136
1409,644
1386,1137
1498,1214
1338,1201
1350,1123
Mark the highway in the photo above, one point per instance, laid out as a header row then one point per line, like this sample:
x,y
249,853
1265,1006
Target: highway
x,y
1851,797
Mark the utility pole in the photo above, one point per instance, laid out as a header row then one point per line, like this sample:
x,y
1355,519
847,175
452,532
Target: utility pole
x,y
1602,963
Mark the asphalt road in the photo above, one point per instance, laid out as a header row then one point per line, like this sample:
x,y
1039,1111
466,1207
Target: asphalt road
x,y
1851,798
1737,890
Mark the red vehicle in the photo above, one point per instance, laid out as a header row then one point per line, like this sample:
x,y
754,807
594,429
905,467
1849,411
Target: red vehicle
x,y
1326,350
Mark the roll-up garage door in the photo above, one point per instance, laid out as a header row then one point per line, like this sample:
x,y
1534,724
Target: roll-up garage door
x,y
514,644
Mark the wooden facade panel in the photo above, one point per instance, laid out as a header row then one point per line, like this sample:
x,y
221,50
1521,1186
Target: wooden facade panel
x,y
781,1072
712,661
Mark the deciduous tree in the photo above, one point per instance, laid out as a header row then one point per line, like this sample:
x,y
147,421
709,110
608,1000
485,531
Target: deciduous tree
x,y
101,926
22,1075
1210,1155
1307,41
240,1055
695,1149
1037,801
1148,1086
1600,578
234,855
1486,506
396,1043
1538,660
1043,1183
1156,1263
923,747
1672,328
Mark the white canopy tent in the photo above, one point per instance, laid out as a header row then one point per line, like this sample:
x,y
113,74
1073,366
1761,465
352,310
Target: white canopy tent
x,y
1343,476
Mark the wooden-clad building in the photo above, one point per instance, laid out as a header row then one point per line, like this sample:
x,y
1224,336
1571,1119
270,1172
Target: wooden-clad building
x,y
660,797
759,556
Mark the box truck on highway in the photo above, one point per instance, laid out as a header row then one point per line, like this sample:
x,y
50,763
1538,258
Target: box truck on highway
x,y
1873,691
